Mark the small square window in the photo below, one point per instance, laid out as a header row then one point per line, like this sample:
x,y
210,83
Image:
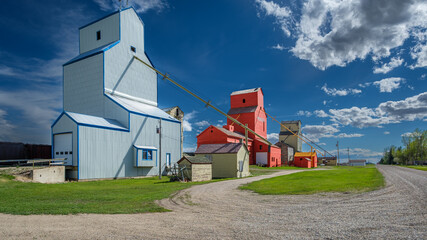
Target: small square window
x,y
147,154
133,49
71,152
260,147
62,153
57,153
244,100
66,153
98,35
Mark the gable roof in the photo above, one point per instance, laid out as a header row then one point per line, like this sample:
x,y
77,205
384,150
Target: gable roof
x,y
305,154
196,159
246,91
230,133
242,110
89,120
92,52
219,148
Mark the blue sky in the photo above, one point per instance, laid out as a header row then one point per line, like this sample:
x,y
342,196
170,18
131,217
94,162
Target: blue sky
x,y
351,71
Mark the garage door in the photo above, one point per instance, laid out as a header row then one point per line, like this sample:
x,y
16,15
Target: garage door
x,y
261,158
63,147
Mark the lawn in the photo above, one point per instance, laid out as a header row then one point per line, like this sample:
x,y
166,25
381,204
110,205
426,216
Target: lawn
x,y
423,168
338,179
256,170
106,197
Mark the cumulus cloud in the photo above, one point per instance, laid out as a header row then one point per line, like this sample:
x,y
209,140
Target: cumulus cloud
x,y
6,128
315,132
386,133
187,126
409,109
304,113
272,137
387,67
335,33
203,123
340,92
139,5
320,113
351,135
389,84
282,14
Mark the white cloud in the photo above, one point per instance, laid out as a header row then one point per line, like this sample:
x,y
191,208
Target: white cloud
x,y
409,109
304,113
340,92
186,123
203,123
335,33
278,47
189,149
315,132
389,84
282,14
386,133
351,135
320,113
139,5
387,67
273,137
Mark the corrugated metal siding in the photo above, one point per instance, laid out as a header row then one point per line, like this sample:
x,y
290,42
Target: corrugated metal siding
x,y
110,32
83,91
114,111
124,74
97,121
65,124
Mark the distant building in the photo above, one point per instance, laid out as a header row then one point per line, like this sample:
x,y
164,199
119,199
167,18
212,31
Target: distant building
x,y
111,126
328,161
247,106
357,162
287,153
229,160
285,136
305,159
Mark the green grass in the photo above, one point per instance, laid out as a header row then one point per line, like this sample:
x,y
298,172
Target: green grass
x,y
338,179
257,171
423,168
106,197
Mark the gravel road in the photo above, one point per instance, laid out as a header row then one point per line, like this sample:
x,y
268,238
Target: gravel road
x,y
221,211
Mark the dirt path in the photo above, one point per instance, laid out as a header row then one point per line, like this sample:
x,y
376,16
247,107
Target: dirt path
x,y
221,211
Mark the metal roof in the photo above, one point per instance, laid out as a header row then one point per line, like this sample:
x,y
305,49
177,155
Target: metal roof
x,y
245,91
95,121
357,161
242,110
145,147
139,107
196,159
219,148
92,52
230,133
305,154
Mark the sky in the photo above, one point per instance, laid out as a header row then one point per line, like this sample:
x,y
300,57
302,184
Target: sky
x,y
352,71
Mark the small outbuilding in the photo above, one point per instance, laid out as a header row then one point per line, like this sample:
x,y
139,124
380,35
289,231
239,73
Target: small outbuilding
x,y
195,168
305,159
229,160
359,162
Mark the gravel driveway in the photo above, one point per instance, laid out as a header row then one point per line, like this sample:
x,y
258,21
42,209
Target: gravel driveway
x,y
220,211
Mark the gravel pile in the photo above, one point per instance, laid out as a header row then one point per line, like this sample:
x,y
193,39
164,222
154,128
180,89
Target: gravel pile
x,y
221,211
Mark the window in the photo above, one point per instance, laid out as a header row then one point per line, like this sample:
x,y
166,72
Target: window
x,y
98,35
62,153
260,147
66,153
133,49
57,152
168,159
244,100
71,152
147,154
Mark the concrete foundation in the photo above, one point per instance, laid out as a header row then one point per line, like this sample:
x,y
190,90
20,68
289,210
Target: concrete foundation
x,y
54,174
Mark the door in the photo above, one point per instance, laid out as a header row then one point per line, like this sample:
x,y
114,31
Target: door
x,y
63,147
168,159
261,158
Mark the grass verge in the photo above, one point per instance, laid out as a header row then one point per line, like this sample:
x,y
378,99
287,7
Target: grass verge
x,y
338,179
104,197
423,168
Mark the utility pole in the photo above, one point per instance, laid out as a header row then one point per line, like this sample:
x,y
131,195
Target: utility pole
x,y
338,153
348,153
160,148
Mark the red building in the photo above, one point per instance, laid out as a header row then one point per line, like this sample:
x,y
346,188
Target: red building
x,y
305,159
247,106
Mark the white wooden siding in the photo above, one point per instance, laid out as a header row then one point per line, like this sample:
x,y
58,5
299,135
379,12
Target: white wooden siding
x,y
110,32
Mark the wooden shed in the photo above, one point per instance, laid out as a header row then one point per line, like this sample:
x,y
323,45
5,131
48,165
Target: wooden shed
x,y
229,160
305,159
197,168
